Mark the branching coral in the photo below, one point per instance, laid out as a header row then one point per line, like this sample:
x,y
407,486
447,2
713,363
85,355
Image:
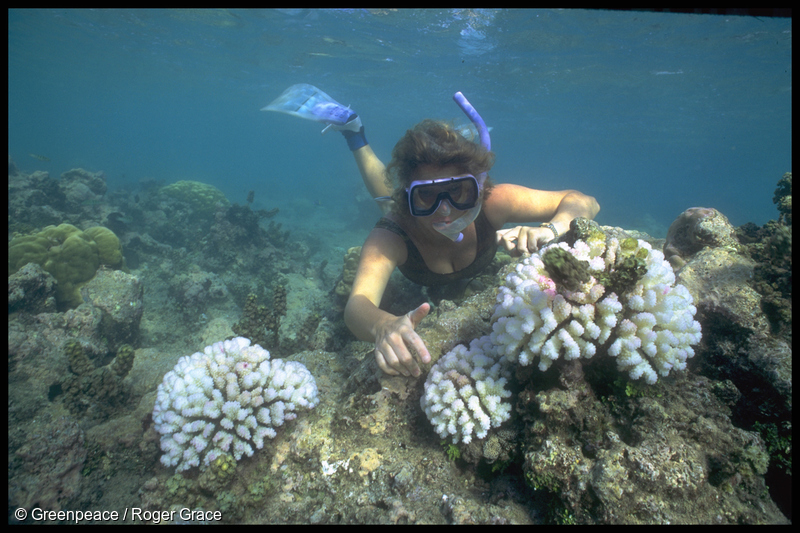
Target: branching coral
x,y
639,316
227,399
464,392
615,298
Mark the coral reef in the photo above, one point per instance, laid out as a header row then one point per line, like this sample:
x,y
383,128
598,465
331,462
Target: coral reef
x,y
109,317
202,197
746,300
773,276
664,463
227,400
695,229
32,290
234,229
194,290
582,444
119,298
47,463
783,199
82,187
770,247
260,323
565,269
345,285
108,247
70,255
123,363
500,446
100,389
36,199
279,238
279,300
220,472
256,322
303,335
33,200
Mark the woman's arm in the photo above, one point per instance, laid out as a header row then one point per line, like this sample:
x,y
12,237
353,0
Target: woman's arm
x,y
372,172
514,203
392,335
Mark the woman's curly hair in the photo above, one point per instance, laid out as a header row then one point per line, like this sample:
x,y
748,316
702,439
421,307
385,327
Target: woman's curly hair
x,y
436,143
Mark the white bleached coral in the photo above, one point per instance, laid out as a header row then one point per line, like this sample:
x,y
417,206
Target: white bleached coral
x,y
465,392
630,306
623,302
227,399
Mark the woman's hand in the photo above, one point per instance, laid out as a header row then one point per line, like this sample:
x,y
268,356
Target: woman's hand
x,y
393,339
524,239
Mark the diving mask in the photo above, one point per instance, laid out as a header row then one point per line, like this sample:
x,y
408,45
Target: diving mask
x,y
425,196
452,230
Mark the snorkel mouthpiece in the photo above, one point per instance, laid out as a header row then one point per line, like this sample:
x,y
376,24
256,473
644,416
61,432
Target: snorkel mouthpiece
x,y
453,230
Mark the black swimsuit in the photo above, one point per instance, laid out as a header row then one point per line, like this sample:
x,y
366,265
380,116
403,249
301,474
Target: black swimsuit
x,y
417,271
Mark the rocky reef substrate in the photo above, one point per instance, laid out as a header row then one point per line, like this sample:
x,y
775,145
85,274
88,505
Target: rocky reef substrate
x,y
582,444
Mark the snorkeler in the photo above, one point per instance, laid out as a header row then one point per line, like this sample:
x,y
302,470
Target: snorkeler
x,y
443,217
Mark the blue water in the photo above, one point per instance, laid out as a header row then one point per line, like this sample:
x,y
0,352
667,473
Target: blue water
x,y
650,113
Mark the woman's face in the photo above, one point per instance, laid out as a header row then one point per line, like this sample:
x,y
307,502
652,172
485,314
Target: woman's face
x,y
446,213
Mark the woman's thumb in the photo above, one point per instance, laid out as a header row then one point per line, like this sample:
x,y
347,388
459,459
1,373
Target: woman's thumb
x,y
419,313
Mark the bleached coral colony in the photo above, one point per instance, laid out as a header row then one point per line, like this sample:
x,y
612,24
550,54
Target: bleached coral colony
x,y
618,297
227,400
465,390
650,325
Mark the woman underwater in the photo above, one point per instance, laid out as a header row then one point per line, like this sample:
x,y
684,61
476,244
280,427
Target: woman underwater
x,y
443,217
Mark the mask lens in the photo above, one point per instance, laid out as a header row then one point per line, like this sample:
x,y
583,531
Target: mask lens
x,y
424,198
460,192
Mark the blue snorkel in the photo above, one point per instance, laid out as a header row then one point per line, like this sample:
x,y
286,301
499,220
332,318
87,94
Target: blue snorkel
x,y
453,229
476,119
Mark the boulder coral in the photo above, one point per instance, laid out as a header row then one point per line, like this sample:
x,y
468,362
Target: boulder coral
x,y
70,255
203,197
695,229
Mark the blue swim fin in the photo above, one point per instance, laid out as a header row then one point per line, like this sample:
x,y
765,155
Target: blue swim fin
x,y
306,101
